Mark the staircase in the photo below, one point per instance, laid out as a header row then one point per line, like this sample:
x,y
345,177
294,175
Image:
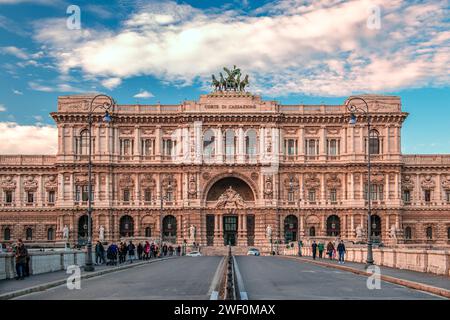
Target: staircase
x,y
223,251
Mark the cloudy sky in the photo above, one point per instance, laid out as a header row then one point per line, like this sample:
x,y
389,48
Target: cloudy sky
x,y
294,52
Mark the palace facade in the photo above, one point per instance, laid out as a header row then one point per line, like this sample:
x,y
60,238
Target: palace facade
x,y
228,168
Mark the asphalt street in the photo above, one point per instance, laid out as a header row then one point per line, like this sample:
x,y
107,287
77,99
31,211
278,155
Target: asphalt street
x,y
276,278
173,279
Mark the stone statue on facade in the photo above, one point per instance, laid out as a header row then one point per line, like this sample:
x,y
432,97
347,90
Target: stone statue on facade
x,y
393,232
359,233
101,233
192,232
232,82
269,231
65,232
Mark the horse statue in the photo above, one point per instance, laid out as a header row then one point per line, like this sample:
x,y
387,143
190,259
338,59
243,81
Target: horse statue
x,y
223,82
215,84
243,83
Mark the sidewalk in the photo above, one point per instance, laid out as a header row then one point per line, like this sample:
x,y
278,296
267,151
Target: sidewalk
x,y
11,287
414,279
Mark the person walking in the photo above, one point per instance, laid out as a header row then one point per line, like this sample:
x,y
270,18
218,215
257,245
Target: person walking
x,y
179,250
341,251
146,250
99,253
140,250
321,247
21,259
330,250
300,245
131,248
314,249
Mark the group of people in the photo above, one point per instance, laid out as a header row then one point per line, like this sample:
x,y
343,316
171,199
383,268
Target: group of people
x,y
127,252
22,260
331,250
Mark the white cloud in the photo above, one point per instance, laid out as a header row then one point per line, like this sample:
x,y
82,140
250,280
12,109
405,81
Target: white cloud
x,y
17,52
291,46
27,139
2,108
58,87
143,94
43,2
18,92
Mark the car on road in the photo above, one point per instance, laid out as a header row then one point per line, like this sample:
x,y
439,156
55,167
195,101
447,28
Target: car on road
x,y
194,254
253,252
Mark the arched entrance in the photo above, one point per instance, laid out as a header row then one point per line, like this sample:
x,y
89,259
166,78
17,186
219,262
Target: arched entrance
x,y
333,226
290,228
126,226
170,229
83,230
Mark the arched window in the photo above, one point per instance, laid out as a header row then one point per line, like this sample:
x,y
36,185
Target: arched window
x,y
7,234
229,145
429,232
250,143
312,232
83,143
209,148
148,232
126,226
408,233
374,142
29,234
50,234
333,226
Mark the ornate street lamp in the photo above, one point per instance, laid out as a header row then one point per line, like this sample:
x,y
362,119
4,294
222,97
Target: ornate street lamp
x,y
162,198
106,106
365,111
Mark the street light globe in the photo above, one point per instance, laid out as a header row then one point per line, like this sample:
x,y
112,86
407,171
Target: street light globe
x,y
352,119
107,117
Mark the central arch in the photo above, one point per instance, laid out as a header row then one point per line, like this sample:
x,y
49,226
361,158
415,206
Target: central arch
x,y
220,185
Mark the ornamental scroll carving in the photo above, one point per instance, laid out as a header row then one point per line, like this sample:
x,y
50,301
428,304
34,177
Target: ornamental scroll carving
x,y
30,184
427,183
291,183
168,182
407,183
8,184
312,181
333,181
82,179
147,182
230,199
268,187
126,181
446,183
51,184
192,189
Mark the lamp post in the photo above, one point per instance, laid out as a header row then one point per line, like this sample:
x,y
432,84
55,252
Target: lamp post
x,y
162,198
353,109
106,105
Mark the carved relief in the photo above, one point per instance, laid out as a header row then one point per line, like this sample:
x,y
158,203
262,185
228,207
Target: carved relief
x,y
126,181
30,184
291,182
428,183
311,130
147,181
8,184
230,199
333,181
312,181
333,131
407,183
169,181
192,189
446,182
254,176
126,131
206,175
82,179
268,187
51,184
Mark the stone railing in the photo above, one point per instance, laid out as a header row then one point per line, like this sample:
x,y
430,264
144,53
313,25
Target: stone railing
x,y
41,262
36,160
426,159
422,260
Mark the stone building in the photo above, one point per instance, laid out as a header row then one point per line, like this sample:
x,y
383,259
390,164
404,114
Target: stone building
x,y
228,168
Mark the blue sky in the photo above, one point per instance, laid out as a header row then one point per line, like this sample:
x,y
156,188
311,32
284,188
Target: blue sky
x,y
294,52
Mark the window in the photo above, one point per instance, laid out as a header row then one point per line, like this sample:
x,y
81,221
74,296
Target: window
x,y
147,195
8,196
448,233
312,195
7,234
408,233
427,195
148,232
30,197
169,195
29,234
312,147
82,193
312,232
50,234
82,143
447,195
333,147
126,195
374,142
406,196
51,196
250,143
148,147
333,195
429,233
290,147
209,148
229,144
291,196
168,147
376,192
126,147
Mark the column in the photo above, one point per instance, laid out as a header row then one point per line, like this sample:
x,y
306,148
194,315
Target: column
x,y
362,129
137,142
219,146
323,143
438,195
63,139
352,225
387,224
386,147
262,149
396,187
322,225
186,150
240,145
322,189
108,140
301,141
221,228
158,143
386,192
137,190
343,146
352,187
344,229
97,189
108,196
302,225
97,141
71,149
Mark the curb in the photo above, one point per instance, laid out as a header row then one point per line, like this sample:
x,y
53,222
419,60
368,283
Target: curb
x,y
48,285
407,283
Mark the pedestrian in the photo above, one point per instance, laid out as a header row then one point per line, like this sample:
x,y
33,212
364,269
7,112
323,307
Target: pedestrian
x,y
131,248
111,254
314,249
165,249
21,254
152,250
98,254
179,250
341,251
146,250
300,245
330,250
321,247
140,250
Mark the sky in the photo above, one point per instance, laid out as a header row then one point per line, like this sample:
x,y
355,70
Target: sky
x,y
295,52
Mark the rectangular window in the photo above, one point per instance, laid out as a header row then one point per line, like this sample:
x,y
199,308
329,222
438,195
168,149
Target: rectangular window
x,y
333,195
291,147
427,195
126,147
147,195
126,195
406,196
8,196
148,147
376,192
312,195
168,147
447,195
30,197
312,147
333,147
51,196
291,196
169,196
81,193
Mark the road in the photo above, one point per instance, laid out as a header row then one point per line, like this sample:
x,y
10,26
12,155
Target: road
x,y
187,278
283,279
